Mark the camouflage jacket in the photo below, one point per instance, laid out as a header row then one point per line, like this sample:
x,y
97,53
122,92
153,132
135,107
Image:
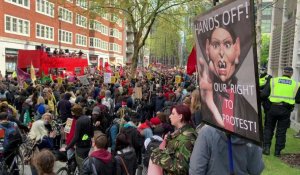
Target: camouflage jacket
x,y
174,159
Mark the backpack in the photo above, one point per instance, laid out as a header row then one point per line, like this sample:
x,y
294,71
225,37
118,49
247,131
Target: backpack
x,y
107,132
10,136
154,143
30,148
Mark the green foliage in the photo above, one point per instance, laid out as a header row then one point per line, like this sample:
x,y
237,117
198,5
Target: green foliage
x,y
265,44
162,42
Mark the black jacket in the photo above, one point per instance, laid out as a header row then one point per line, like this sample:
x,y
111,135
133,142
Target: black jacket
x,y
129,157
83,133
100,162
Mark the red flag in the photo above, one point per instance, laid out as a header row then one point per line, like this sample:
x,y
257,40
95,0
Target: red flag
x,y
100,65
191,63
107,67
121,71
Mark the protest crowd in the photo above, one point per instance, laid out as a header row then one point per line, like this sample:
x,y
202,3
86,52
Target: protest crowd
x,y
145,125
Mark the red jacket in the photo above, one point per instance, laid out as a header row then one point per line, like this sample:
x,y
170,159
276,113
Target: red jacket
x,y
70,135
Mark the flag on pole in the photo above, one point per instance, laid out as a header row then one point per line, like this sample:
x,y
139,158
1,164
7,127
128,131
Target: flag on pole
x,y
32,73
107,68
22,76
190,67
121,71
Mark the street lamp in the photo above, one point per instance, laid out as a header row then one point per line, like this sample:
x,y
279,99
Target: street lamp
x,y
59,32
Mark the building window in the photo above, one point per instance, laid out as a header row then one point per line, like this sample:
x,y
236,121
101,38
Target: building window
x,y
95,25
98,43
81,21
44,32
81,40
104,29
115,47
45,7
65,36
17,25
82,3
265,26
65,15
267,11
21,3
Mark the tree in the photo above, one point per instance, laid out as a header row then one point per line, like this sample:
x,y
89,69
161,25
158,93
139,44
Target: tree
x,y
140,16
265,45
164,43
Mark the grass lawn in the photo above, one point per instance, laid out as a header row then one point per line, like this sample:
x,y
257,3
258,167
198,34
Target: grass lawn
x,y
274,166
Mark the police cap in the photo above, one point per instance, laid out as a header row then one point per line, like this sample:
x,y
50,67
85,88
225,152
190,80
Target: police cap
x,y
288,69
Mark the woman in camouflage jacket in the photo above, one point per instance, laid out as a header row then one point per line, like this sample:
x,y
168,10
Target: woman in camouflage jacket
x,y
174,153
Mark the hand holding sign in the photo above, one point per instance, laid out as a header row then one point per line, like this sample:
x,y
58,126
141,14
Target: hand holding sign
x,y
206,91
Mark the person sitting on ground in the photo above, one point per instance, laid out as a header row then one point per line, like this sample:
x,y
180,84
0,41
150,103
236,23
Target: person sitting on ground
x,y
100,160
44,162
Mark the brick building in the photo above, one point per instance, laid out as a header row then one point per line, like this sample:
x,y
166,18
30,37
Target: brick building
x,y
71,25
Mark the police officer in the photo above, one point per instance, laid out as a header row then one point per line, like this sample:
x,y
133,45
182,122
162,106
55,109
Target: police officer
x,y
264,78
283,92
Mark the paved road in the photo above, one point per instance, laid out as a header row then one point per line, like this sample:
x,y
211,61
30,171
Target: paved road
x,y
57,165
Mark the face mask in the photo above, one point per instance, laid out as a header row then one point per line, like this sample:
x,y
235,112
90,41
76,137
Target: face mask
x,y
46,122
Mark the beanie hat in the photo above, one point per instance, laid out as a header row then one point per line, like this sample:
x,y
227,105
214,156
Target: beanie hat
x,y
96,110
155,121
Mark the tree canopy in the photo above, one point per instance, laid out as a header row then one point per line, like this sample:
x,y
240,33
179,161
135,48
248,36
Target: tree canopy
x,y
140,16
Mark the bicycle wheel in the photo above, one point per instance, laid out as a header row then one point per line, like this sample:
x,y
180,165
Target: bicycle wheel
x,y
3,168
62,171
20,163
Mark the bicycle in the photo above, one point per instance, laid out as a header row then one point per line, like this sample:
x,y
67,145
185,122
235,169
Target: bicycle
x,y
16,165
71,167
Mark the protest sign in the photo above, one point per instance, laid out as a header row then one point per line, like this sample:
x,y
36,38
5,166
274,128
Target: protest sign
x,y
59,80
83,79
107,78
68,125
227,69
149,76
177,79
138,92
117,75
113,79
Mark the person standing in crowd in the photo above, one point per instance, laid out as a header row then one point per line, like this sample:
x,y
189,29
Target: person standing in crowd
x,y
159,101
210,154
196,107
174,153
10,141
64,107
283,92
44,162
100,160
126,159
39,134
263,79
82,137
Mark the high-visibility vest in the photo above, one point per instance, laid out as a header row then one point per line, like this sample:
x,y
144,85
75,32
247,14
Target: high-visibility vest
x,y
283,89
263,80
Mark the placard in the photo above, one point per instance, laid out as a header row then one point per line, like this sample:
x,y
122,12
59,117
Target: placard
x,y
177,79
107,78
227,69
68,125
